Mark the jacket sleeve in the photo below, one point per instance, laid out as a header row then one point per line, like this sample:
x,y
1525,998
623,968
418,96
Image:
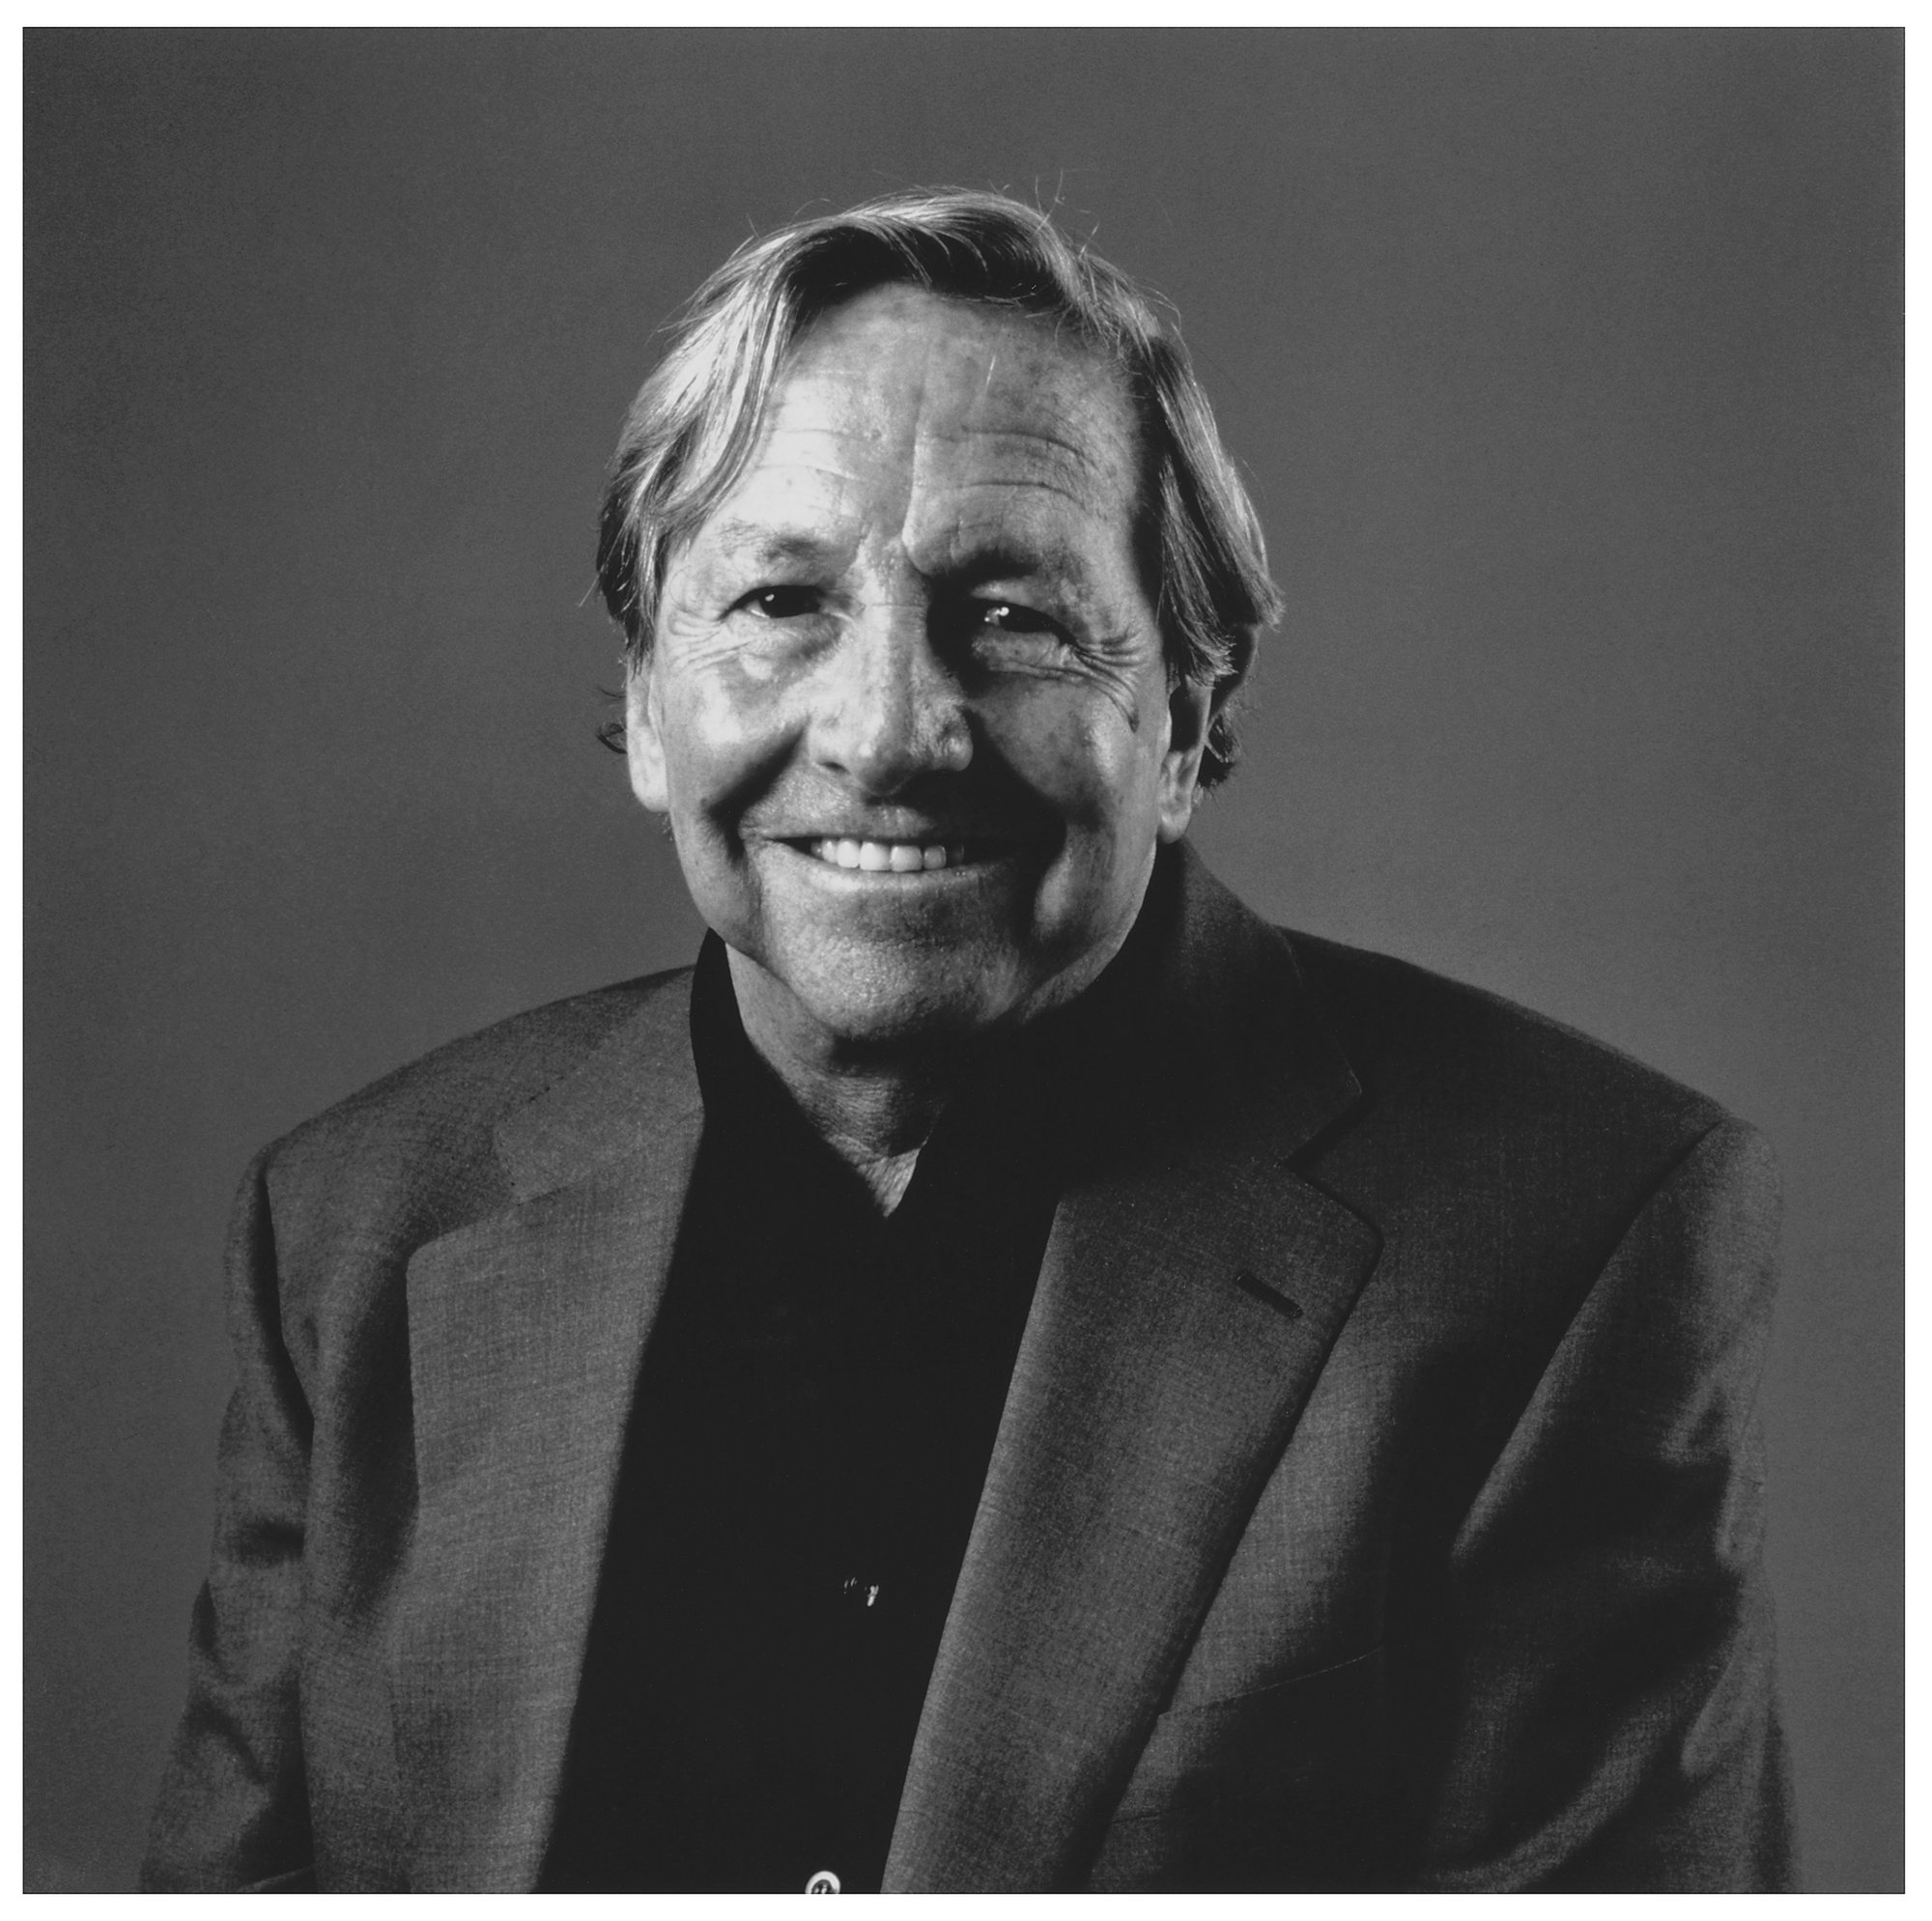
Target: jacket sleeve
x,y
1614,1726
233,1812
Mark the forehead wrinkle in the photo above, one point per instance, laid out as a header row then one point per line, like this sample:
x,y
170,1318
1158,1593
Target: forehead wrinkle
x,y
1028,480
1001,541
1034,449
786,509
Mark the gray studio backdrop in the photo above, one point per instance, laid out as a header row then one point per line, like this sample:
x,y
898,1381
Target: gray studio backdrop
x,y
1566,367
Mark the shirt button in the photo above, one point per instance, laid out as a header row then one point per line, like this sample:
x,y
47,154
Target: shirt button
x,y
824,1881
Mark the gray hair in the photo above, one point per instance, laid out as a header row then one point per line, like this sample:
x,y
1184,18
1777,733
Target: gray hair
x,y
697,420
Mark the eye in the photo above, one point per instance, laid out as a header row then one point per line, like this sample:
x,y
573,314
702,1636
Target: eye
x,y
1005,635
779,602
1010,617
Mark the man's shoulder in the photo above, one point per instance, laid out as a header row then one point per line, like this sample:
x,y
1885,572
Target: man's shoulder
x,y
1419,1043
445,1105
1417,1036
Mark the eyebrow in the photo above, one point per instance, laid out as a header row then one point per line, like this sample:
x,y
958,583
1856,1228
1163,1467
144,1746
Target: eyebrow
x,y
1001,559
768,545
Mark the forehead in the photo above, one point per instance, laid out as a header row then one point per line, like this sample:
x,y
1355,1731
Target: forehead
x,y
905,408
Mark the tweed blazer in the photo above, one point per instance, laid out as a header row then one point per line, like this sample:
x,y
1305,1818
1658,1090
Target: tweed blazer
x,y
1377,1502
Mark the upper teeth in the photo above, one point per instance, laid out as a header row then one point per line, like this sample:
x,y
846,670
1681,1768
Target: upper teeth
x,y
888,857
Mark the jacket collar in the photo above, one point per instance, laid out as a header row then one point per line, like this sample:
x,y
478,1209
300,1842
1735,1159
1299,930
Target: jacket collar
x,y
1192,1288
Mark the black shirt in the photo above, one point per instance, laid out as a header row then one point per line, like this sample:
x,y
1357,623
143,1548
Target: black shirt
x,y
813,1420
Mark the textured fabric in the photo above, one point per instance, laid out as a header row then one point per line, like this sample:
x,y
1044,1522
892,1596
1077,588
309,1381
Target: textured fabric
x,y
1377,1500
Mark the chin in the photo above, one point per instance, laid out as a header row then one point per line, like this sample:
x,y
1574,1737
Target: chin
x,y
867,997
915,1014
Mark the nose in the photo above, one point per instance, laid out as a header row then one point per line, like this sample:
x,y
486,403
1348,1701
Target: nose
x,y
889,709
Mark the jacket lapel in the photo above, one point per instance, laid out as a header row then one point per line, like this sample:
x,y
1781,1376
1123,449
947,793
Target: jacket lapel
x,y
526,1329
1189,1296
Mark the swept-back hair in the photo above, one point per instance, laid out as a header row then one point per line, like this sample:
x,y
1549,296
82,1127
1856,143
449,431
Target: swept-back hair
x,y
697,420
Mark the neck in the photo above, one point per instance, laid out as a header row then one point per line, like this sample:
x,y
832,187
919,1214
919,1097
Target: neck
x,y
873,1107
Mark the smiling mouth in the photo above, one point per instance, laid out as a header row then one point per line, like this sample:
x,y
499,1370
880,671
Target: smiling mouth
x,y
898,856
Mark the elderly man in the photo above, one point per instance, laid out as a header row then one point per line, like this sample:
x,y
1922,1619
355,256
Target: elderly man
x,y
1009,1373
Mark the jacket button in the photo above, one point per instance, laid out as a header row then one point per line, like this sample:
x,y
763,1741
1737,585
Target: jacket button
x,y
824,1881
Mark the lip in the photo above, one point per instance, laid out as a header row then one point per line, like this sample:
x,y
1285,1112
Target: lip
x,y
922,829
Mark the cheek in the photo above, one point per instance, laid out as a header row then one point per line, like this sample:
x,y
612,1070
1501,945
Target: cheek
x,y
720,727
1080,753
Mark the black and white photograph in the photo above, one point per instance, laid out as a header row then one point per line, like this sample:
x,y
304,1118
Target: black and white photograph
x,y
963,959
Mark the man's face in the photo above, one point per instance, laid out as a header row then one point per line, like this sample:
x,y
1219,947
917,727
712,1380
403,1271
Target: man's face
x,y
906,705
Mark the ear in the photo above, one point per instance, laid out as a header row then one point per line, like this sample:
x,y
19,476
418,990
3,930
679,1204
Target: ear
x,y
1189,709
643,741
